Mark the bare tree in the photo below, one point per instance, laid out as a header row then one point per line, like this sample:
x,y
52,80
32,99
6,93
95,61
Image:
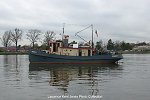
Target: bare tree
x,y
33,36
49,35
16,36
6,39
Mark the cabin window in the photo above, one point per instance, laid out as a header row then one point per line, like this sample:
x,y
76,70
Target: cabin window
x,y
54,47
70,50
80,52
89,52
58,44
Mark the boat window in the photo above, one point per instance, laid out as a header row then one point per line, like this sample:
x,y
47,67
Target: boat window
x,y
58,45
80,52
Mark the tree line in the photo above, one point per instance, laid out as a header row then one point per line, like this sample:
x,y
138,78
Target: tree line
x,y
33,35
117,45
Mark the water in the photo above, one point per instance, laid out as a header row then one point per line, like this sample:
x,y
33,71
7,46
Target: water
x,y
20,80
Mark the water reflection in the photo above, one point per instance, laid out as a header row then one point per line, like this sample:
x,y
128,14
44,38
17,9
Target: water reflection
x,y
11,61
5,59
13,70
113,82
74,76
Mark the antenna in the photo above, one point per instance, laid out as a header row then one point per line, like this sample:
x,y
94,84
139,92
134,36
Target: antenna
x,y
63,28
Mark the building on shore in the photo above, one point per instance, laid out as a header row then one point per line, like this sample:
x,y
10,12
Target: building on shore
x,y
142,48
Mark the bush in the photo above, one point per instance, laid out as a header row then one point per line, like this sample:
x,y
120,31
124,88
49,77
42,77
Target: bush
x,y
1,50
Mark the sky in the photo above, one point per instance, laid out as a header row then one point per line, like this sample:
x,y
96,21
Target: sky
x,y
119,20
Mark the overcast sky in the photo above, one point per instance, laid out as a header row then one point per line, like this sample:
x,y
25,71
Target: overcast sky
x,y
126,20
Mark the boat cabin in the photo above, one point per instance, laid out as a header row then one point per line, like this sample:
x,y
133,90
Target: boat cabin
x,y
62,47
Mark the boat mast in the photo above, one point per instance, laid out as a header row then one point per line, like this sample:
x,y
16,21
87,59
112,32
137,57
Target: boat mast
x,y
76,34
63,30
92,38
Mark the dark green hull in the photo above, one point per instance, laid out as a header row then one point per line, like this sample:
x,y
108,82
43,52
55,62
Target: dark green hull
x,y
39,57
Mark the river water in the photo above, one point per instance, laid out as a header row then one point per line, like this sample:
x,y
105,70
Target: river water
x,y
20,80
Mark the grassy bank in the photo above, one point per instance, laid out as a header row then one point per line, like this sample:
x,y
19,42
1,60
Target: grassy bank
x,y
13,53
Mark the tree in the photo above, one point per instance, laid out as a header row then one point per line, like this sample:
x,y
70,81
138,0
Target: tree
x,y
117,45
33,36
141,44
44,46
110,45
99,45
123,45
16,36
6,39
36,45
126,46
49,35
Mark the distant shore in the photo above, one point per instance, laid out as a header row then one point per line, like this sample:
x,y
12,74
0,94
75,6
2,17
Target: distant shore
x,y
26,53
135,52
13,53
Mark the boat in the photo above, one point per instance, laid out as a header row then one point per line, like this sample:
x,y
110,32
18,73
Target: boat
x,y
61,52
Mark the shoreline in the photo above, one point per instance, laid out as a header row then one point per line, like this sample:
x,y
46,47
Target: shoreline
x,y
13,53
26,53
135,52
